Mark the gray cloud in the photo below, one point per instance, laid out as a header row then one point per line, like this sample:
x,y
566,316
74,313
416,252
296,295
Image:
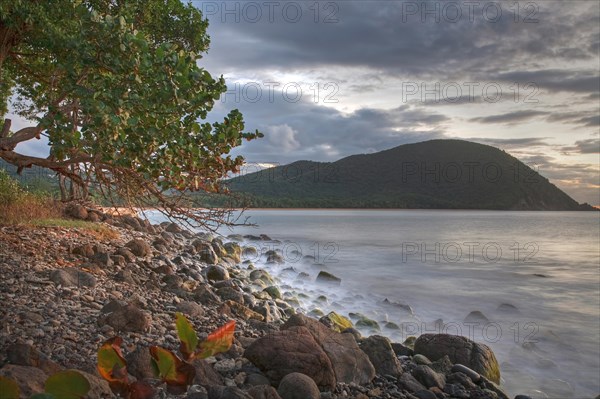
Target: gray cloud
x,y
590,146
510,118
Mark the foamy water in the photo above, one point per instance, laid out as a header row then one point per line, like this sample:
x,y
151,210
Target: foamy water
x,y
446,264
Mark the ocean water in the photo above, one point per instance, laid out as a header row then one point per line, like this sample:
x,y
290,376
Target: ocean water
x,y
543,267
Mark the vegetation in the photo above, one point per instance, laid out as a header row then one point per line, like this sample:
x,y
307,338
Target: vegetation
x,y
117,90
178,374
436,174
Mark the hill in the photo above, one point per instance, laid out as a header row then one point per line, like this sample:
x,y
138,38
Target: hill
x,y
436,174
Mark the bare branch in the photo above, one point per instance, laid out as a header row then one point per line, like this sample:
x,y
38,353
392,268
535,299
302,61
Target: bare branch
x,y
27,133
5,128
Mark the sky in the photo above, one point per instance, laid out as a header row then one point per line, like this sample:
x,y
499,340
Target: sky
x,y
324,80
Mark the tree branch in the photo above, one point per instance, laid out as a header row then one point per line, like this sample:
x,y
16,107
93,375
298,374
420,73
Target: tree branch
x,y
5,128
27,133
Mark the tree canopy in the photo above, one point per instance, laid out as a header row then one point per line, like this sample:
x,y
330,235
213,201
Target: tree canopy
x,y
116,87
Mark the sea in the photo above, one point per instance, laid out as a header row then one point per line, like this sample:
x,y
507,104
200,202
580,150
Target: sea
x,y
527,284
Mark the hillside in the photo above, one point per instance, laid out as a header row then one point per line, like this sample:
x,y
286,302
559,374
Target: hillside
x,y
436,174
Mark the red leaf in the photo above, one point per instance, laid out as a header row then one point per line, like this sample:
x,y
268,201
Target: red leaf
x,y
172,370
217,342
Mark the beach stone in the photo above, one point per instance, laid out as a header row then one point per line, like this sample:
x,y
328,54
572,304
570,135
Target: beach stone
x,y
127,318
27,355
222,392
336,322
442,365
328,278
273,291
476,317
86,250
206,251
478,357
460,379
263,392
293,350
472,374
139,363
103,259
217,273
126,253
298,386
231,294
255,379
420,359
190,309
425,394
243,311
73,277
139,247
233,251
205,374
508,308
350,363
275,258
409,383
429,378
381,354
205,295
29,379
99,388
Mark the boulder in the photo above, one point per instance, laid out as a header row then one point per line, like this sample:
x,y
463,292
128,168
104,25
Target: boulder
x,y
230,294
220,392
350,363
99,388
29,379
126,318
73,277
217,273
336,322
139,247
243,311
478,357
233,251
327,278
206,251
190,309
27,355
293,350
298,386
382,356
206,376
139,363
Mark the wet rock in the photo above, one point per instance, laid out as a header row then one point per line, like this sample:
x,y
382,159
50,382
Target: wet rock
x,y
273,291
350,363
336,322
288,351
476,317
508,308
327,278
478,357
73,277
381,354
233,251
298,386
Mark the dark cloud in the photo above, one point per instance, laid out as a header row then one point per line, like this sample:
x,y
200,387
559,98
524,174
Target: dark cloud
x,y
510,118
512,143
556,80
590,146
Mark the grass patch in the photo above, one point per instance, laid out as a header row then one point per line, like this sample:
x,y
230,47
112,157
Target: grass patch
x,y
101,231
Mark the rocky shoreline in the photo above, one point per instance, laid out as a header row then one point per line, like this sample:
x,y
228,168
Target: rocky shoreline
x,y
65,291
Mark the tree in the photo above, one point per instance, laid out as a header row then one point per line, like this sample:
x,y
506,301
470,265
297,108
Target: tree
x,y
116,88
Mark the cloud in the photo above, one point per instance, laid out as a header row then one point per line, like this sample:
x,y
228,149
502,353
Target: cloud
x,y
510,118
281,138
589,146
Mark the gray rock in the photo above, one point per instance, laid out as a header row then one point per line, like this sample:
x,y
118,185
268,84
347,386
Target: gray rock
x,y
139,363
409,383
472,374
476,317
102,258
128,318
327,278
256,379
263,392
190,309
139,247
73,277
220,392
298,386
231,294
429,378
217,273
381,354
425,394
478,357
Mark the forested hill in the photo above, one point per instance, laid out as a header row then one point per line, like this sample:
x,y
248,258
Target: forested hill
x,y
436,174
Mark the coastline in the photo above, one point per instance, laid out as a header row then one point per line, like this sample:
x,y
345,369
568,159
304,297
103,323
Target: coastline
x,y
161,269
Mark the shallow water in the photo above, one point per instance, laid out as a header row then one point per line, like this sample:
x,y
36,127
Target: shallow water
x,y
446,264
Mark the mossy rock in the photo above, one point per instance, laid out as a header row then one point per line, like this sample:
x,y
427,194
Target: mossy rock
x,y
410,342
392,326
336,322
365,322
273,291
316,312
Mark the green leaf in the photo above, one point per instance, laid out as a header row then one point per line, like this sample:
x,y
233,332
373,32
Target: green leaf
x,y
9,389
187,336
68,384
168,367
112,366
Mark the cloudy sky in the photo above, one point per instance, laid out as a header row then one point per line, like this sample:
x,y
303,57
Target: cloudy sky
x,y
324,80
328,79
